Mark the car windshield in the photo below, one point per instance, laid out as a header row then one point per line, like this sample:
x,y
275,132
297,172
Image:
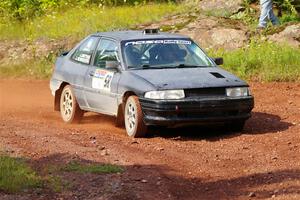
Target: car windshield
x,y
151,54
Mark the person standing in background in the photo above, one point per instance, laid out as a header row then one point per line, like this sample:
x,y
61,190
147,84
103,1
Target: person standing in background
x,y
266,13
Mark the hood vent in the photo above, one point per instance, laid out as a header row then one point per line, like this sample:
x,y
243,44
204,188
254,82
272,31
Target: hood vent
x,y
217,75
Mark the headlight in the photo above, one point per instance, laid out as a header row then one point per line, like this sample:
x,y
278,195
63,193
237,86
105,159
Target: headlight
x,y
167,94
238,92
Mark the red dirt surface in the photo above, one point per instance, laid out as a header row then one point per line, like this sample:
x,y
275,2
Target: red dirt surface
x,y
262,162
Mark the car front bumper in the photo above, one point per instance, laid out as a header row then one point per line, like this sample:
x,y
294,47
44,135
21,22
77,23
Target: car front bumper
x,y
209,110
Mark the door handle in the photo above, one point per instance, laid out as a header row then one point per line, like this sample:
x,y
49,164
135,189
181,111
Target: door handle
x,y
91,73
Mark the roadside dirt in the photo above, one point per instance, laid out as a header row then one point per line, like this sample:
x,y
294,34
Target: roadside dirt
x,y
262,162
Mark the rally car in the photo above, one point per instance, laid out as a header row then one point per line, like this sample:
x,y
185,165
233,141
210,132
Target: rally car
x,y
148,78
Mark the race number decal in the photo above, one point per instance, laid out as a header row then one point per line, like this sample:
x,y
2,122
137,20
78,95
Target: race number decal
x,y
102,79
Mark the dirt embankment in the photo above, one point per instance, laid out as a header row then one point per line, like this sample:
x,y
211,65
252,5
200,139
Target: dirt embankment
x,y
205,25
262,162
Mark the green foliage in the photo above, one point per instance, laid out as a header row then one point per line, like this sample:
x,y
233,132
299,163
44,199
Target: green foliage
x,y
28,9
16,175
249,15
263,61
92,168
75,23
79,22
288,5
287,11
289,18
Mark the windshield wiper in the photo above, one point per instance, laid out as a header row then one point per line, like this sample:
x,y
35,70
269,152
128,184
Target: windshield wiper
x,y
145,66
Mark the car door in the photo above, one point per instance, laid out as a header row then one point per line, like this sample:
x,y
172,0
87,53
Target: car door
x,y
102,83
77,67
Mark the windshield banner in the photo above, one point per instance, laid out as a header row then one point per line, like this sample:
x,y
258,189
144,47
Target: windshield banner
x,y
158,42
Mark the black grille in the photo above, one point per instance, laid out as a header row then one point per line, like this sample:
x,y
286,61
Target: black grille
x,y
199,92
208,114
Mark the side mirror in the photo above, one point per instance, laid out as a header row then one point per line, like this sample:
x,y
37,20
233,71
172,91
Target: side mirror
x,y
112,65
218,61
64,53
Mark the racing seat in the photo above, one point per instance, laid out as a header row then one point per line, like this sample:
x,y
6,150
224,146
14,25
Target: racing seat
x,y
181,54
133,57
154,55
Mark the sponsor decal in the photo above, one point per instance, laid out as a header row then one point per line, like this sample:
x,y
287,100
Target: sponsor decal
x,y
99,73
158,42
102,79
85,58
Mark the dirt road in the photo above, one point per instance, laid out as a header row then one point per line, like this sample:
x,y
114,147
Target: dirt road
x,y
262,162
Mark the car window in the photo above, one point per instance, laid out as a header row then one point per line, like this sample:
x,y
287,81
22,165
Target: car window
x,y
84,53
107,50
164,53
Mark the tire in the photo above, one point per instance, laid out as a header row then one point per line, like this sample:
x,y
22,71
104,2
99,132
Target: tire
x,y
69,108
237,126
134,123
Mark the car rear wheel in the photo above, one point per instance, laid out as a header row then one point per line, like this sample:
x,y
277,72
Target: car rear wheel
x,y
69,108
134,123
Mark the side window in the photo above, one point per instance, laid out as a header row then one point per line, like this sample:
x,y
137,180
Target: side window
x,y
107,50
85,51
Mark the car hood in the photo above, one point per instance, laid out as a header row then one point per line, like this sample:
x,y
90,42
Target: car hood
x,y
184,78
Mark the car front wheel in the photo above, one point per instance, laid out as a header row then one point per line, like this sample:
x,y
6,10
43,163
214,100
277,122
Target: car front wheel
x,y
69,108
134,123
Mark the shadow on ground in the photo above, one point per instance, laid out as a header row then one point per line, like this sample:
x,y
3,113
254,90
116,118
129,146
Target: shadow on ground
x,y
259,123
158,182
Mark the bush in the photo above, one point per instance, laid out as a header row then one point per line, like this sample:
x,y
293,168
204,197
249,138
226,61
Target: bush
x,y
263,61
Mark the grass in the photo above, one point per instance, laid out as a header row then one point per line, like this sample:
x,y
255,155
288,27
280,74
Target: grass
x,y
217,13
57,183
289,18
16,175
91,168
75,23
177,26
250,17
259,61
79,22
37,69
263,61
